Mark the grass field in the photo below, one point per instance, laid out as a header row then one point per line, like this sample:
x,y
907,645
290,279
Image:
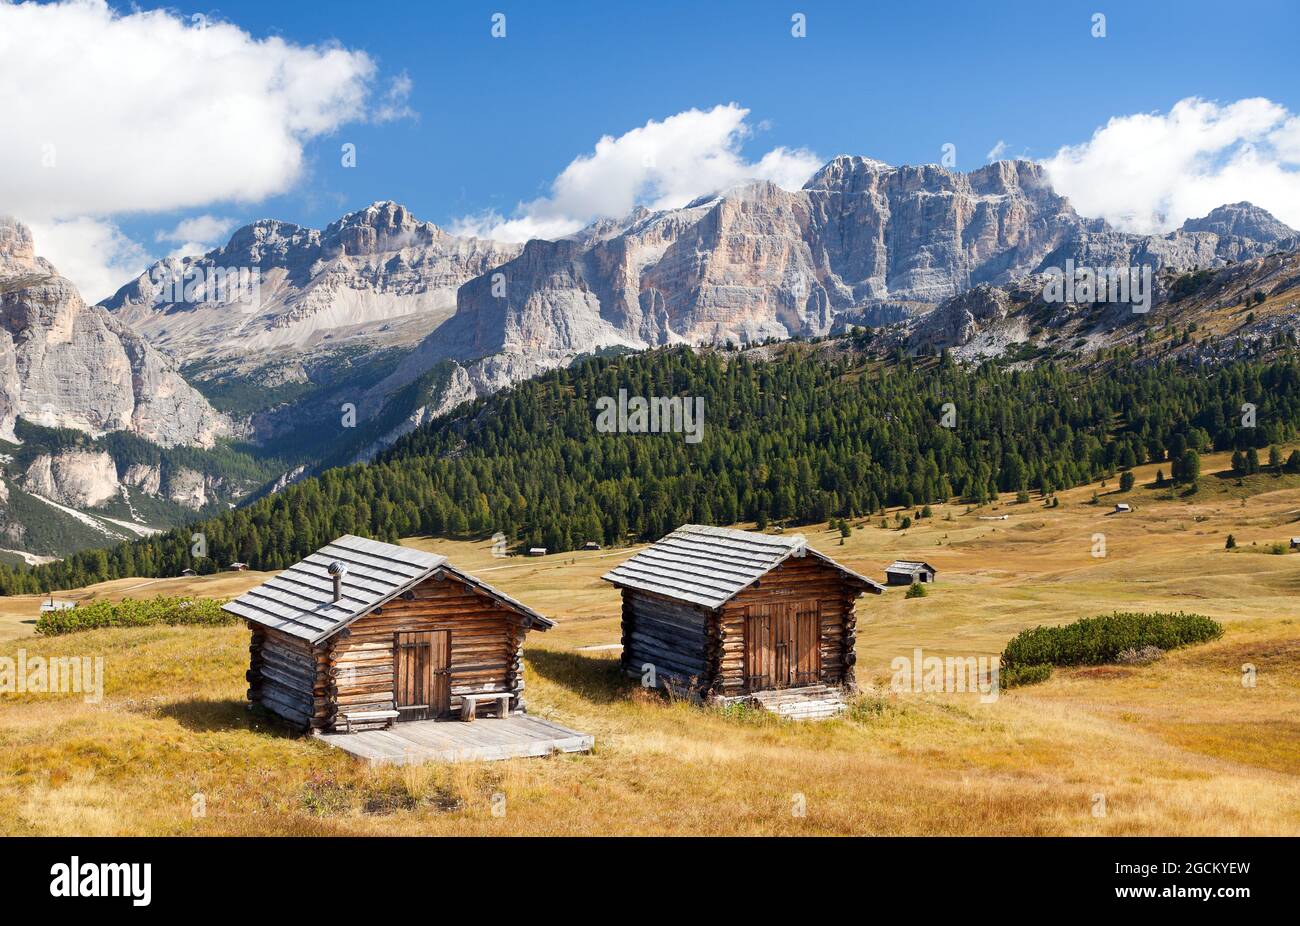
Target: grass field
x,y
1177,747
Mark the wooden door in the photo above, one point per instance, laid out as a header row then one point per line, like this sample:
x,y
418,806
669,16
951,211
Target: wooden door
x,y
805,633
782,645
420,673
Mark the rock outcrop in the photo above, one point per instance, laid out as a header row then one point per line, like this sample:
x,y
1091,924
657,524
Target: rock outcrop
x,y
962,318
76,478
64,364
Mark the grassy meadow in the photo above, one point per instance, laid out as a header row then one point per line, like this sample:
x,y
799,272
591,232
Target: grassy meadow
x,y
1180,746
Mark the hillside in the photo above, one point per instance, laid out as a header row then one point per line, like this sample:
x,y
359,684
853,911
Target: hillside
x,y
795,434
1247,309
1177,747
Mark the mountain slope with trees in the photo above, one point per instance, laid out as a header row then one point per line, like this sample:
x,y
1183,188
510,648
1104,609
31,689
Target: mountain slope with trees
x,y
798,433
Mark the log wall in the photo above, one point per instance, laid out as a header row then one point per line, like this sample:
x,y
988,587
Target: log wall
x,y
797,579
486,653
287,676
678,639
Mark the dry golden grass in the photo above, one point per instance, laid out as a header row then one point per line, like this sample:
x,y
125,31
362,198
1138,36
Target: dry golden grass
x,y
1180,746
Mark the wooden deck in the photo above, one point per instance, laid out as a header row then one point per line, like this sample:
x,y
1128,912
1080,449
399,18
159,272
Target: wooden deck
x,y
452,741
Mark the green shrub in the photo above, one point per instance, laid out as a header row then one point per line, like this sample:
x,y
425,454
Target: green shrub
x,y
1015,676
1097,640
132,612
916,591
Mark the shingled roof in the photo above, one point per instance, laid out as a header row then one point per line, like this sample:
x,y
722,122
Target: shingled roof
x,y
711,565
300,600
908,565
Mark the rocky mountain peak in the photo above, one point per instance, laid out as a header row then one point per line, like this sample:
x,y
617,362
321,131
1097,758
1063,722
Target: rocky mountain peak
x,y
380,227
845,173
378,277
1244,220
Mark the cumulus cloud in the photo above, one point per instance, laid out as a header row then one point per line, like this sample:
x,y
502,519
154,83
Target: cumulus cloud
x,y
196,235
661,165
150,111
92,253
1149,172
996,152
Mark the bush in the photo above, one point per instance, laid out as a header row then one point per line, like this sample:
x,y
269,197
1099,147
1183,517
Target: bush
x,y
1097,640
916,591
1015,676
131,612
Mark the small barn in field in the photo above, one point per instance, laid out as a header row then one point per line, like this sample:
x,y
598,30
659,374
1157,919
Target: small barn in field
x,y
727,613
908,572
362,634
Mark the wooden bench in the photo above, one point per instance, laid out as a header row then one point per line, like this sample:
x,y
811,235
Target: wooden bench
x,y
359,717
469,704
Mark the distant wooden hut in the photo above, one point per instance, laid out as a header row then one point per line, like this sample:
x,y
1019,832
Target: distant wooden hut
x,y
361,634
537,551
908,572
727,613
1122,507
188,573
237,567
1295,543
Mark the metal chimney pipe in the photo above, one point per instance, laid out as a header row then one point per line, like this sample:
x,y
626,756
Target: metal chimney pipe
x,y
338,571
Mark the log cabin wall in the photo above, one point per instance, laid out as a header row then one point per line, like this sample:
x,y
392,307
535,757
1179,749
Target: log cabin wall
x,y
287,676
795,580
679,639
486,647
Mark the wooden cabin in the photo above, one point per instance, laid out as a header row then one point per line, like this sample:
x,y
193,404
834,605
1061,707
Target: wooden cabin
x,y
727,613
361,634
1122,507
908,572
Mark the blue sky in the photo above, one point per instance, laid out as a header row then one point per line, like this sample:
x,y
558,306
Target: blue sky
x,y
497,119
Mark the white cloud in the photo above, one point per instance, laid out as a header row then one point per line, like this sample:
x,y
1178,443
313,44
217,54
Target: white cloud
x,y
661,165
393,105
197,234
997,151
106,113
92,253
1150,172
